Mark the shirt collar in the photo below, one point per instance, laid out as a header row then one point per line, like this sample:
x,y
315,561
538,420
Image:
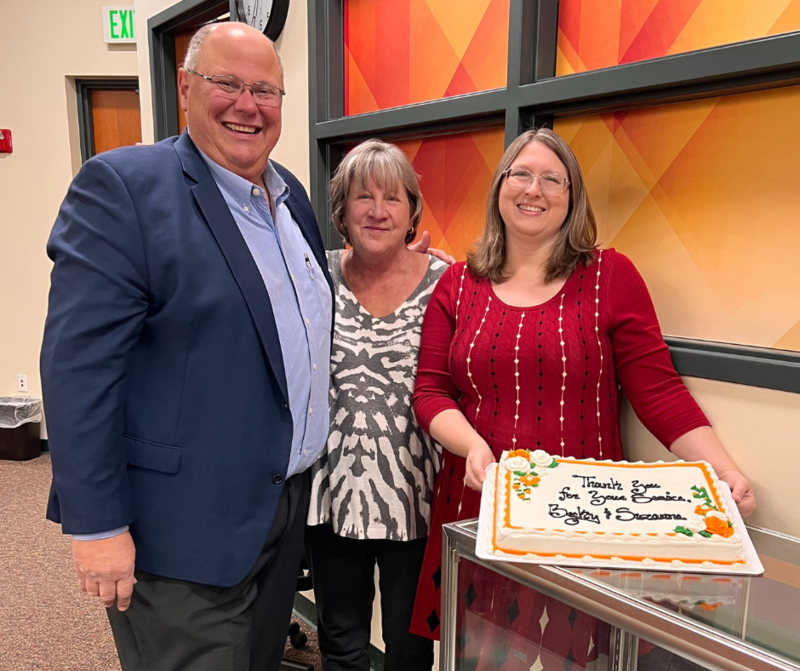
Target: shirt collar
x,y
242,189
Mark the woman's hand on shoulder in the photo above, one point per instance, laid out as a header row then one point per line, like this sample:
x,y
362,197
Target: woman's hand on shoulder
x,y
478,458
423,246
741,490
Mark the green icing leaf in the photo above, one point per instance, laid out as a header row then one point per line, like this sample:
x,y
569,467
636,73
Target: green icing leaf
x,y
554,464
704,534
684,531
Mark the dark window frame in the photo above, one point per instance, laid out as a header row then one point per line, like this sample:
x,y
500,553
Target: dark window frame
x,y
83,93
533,96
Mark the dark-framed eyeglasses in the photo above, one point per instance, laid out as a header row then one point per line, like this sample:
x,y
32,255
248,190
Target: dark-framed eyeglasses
x,y
549,182
264,94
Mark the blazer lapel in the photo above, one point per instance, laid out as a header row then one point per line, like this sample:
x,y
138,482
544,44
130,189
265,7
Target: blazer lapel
x,y
238,256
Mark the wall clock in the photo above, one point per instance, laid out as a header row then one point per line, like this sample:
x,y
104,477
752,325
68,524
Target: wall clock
x,y
268,16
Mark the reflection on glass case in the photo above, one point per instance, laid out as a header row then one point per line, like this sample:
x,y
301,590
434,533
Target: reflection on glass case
x,y
502,616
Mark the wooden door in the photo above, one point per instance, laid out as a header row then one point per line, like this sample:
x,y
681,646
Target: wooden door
x,y
116,119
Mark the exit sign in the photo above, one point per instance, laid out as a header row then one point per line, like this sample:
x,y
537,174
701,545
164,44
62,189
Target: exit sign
x,y
118,24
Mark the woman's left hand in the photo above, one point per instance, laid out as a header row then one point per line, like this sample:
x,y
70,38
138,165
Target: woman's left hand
x,y
741,490
702,443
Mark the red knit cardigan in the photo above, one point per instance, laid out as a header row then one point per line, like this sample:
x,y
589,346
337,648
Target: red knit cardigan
x,y
546,377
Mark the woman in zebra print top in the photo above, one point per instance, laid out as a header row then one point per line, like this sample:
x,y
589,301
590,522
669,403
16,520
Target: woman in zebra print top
x,y
372,488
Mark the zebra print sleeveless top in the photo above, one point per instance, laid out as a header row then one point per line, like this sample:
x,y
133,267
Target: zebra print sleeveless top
x,y
375,478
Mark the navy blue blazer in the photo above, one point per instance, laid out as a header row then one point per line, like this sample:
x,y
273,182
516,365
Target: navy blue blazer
x,y
163,380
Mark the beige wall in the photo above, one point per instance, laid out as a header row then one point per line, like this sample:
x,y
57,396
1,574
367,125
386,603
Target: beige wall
x,y
37,102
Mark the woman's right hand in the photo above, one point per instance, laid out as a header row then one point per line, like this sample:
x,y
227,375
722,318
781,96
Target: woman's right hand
x,y
478,458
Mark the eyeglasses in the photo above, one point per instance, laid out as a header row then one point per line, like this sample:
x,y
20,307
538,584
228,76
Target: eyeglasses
x,y
549,182
264,94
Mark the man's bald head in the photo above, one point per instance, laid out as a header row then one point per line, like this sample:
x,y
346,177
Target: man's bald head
x,y
198,39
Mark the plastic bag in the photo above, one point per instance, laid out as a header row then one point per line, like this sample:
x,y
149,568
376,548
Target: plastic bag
x,y
18,410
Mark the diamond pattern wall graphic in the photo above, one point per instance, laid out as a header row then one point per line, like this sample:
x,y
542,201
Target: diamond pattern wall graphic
x,y
704,197
399,52
593,35
455,174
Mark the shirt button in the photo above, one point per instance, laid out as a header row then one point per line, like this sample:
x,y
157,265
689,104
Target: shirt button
x,y
315,366
310,411
245,208
292,276
256,192
308,323
277,479
286,406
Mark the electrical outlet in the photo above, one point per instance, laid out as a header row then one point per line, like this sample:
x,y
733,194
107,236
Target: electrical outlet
x,y
22,383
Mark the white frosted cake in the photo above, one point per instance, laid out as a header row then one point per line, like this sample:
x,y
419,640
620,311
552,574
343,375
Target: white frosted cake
x,y
581,509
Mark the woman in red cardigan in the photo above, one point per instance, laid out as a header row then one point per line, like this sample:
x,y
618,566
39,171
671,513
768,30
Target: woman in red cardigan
x,y
531,344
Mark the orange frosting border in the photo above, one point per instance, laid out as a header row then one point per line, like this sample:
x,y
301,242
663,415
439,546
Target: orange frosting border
x,y
507,517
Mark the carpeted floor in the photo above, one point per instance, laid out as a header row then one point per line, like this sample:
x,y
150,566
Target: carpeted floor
x,y
46,623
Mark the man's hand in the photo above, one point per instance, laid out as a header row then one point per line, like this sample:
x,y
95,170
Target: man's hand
x,y
105,568
423,246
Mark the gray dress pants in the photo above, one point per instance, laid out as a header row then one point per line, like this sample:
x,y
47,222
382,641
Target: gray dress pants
x,y
174,625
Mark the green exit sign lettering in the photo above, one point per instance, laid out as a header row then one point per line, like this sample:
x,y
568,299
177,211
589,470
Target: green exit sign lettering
x,y
118,25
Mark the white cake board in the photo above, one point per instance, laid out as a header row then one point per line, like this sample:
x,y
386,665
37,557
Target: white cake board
x,y
485,521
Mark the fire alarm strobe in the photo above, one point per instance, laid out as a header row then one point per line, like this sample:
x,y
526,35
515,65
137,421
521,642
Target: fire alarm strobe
x,y
5,141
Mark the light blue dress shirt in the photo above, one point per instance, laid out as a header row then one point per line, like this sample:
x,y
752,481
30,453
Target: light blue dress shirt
x,y
301,302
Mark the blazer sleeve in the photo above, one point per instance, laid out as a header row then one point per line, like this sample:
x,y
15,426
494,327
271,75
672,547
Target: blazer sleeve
x,y
98,303
642,359
434,389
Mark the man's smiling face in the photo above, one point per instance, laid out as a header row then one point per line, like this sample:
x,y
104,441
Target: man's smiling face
x,y
237,134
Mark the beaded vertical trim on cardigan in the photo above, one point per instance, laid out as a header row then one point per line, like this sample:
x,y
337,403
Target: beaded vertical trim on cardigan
x,y
516,377
460,288
564,367
469,357
600,345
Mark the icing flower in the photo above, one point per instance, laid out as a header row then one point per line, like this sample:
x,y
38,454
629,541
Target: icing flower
x,y
541,458
530,480
520,453
696,523
717,523
515,485
701,510
518,464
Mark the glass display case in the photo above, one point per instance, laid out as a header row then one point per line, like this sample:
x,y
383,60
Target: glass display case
x,y
505,616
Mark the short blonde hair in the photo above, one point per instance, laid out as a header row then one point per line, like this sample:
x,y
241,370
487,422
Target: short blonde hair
x,y
387,166
577,238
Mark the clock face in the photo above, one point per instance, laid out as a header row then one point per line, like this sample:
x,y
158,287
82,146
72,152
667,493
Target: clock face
x,y
268,16
255,12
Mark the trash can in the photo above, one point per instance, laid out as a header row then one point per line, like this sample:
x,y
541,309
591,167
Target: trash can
x,y
20,427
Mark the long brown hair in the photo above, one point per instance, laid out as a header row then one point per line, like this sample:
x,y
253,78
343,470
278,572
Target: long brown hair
x,y
577,238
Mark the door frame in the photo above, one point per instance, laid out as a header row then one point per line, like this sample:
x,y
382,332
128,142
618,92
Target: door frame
x,y
161,30
83,93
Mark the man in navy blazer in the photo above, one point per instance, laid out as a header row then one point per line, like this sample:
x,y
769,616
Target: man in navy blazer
x,y
185,372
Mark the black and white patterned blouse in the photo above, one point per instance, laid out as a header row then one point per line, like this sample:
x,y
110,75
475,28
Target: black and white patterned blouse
x,y
375,478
